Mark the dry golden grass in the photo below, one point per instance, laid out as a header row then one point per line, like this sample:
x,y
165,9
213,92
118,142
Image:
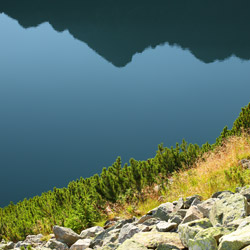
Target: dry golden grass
x,y
218,170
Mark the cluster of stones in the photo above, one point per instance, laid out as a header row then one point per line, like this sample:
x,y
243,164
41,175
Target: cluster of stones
x,y
219,223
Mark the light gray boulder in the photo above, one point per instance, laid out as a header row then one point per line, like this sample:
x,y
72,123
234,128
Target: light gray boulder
x,y
127,231
81,244
131,244
208,239
192,214
245,192
164,226
206,206
153,240
163,211
57,245
65,235
91,232
144,218
228,209
179,205
236,240
189,230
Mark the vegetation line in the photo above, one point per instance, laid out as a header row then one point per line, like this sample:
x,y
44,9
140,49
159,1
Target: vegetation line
x,y
84,201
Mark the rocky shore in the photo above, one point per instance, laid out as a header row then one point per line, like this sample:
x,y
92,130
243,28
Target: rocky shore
x,y
221,222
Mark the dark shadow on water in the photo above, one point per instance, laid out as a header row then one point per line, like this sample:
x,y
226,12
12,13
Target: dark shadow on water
x,y
117,29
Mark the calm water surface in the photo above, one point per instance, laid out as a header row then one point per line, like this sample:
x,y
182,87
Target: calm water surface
x,y
83,84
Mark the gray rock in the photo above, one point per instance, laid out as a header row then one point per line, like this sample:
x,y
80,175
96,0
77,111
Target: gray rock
x,y
57,245
20,244
175,219
81,244
222,194
246,192
65,235
166,226
236,240
192,214
206,206
190,199
151,222
127,232
182,212
91,232
245,163
163,211
179,205
9,245
144,218
189,230
131,244
112,238
152,240
208,239
121,223
228,209
109,235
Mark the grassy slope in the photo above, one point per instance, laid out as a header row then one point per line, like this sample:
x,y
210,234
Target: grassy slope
x,y
217,170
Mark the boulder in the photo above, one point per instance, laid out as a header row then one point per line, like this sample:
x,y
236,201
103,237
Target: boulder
x,y
192,214
190,199
179,205
91,232
245,163
208,239
131,244
121,223
81,244
110,235
245,192
57,245
65,235
127,232
175,219
189,230
222,194
228,209
206,206
164,226
151,222
236,240
144,218
163,211
152,240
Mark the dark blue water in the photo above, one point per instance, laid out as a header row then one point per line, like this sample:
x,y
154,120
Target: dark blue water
x,y
74,97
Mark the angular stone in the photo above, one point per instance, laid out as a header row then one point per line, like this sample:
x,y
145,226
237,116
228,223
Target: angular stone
x,y
175,219
131,244
166,226
182,212
189,230
208,239
54,244
192,214
236,240
91,232
190,199
246,192
163,211
81,244
65,235
228,209
206,206
151,222
112,237
127,232
222,194
245,163
144,218
179,205
152,240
